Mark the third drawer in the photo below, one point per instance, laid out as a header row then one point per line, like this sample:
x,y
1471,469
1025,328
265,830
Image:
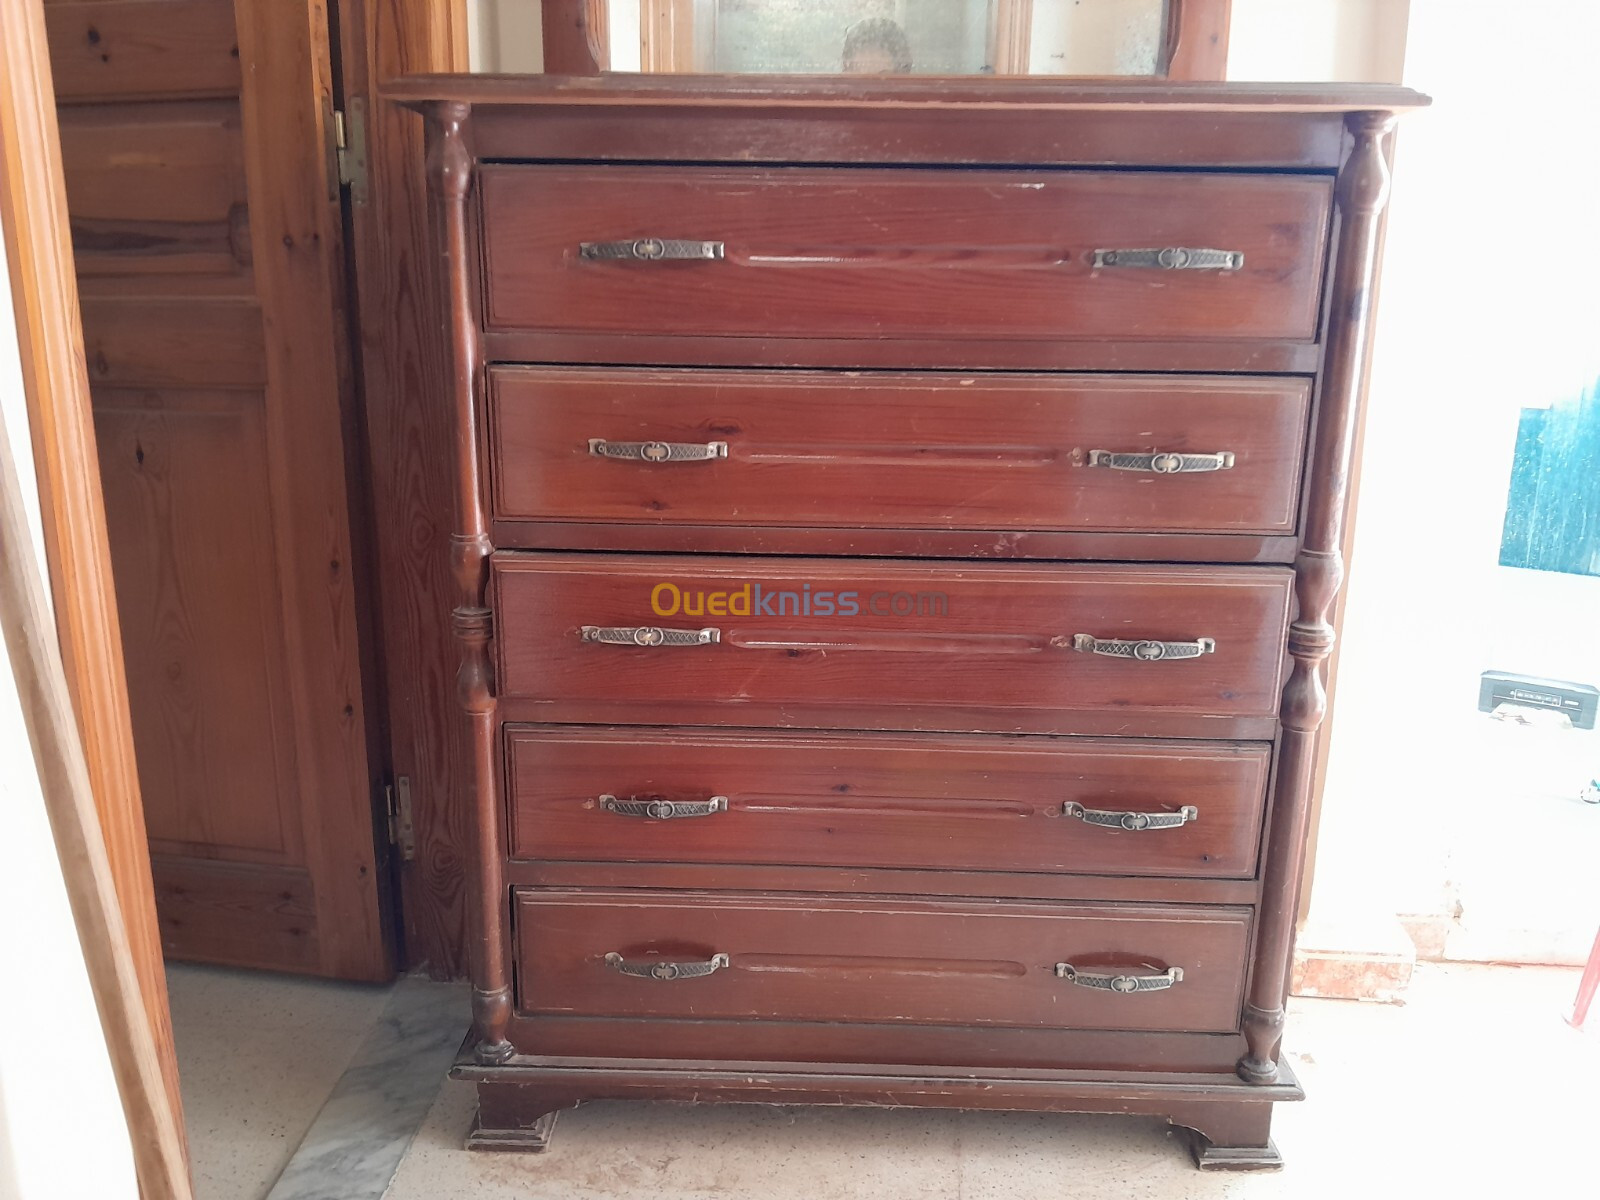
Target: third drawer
x,y
875,644
1081,806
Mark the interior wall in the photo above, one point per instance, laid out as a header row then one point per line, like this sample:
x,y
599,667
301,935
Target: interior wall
x,y
1290,41
62,1132
1487,306
505,36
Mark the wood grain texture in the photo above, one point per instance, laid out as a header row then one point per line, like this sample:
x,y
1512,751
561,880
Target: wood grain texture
x,y
450,176
154,342
33,216
157,189
990,1050
889,540
297,239
919,961
1199,49
896,451
968,256
885,881
1004,630
576,37
210,230
405,369
853,800
657,130
871,96
240,913
191,579
143,49
1319,572
790,709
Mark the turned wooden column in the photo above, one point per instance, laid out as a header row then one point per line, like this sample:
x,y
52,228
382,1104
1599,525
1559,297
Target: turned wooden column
x,y
1362,191
450,177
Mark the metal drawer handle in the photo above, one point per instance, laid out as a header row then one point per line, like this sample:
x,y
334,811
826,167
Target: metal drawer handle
x,y
1143,651
1172,258
1121,983
663,970
649,635
1163,462
664,810
1134,821
649,249
658,452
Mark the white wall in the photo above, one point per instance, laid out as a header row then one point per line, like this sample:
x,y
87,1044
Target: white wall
x,y
1487,305
1351,41
505,35
62,1132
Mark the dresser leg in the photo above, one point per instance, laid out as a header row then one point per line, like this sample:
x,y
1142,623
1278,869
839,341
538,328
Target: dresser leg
x,y
530,1139
515,1117
1230,1137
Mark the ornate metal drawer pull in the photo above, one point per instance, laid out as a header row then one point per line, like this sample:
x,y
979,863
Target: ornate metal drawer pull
x,y
1121,983
658,452
1162,463
664,810
1144,651
1134,821
649,635
654,968
649,249
1172,258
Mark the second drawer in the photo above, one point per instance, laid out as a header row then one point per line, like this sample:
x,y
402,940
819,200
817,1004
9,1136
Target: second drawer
x,y
858,800
840,450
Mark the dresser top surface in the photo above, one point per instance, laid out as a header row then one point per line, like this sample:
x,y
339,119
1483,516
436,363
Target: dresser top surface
x,y
889,92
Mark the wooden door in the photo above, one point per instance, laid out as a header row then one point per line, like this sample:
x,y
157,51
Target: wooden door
x,y
205,208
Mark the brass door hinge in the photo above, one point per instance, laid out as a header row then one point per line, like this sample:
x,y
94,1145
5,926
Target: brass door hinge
x,y
397,800
350,145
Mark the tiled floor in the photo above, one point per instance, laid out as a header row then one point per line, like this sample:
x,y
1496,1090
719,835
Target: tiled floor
x,y
257,1056
1474,1085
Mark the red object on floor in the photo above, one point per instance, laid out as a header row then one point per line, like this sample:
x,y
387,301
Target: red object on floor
x,y
1587,987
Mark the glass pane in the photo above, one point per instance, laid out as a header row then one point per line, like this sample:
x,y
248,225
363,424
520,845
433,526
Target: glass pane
x,y
918,37
1096,37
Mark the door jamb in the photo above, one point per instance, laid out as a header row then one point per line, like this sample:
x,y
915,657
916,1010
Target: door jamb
x,y
33,212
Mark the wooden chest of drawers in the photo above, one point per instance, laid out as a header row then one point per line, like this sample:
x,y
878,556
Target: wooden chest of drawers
x,y
896,570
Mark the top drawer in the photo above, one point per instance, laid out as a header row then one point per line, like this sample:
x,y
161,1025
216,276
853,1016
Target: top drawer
x,y
858,253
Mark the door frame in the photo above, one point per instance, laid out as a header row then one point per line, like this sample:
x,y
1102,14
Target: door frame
x,y
33,211
33,214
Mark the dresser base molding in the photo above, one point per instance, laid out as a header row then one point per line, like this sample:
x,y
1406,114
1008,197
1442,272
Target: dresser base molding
x,y
1229,1121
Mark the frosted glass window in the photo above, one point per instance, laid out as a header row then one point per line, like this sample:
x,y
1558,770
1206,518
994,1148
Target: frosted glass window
x,y
913,37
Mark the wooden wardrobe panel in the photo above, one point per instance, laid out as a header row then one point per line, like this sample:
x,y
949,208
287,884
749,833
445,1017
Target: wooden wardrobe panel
x,y
158,188
174,342
143,49
208,231
197,586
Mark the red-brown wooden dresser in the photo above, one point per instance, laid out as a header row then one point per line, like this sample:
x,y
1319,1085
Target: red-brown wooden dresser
x,y
899,527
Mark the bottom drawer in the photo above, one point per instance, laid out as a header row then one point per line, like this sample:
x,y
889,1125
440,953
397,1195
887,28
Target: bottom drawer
x,y
937,962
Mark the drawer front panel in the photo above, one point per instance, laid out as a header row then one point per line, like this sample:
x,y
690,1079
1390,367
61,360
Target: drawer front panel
x,y
802,958
887,645
964,804
863,253
809,450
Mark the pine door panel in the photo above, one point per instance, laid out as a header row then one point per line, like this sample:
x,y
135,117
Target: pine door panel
x,y
208,242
